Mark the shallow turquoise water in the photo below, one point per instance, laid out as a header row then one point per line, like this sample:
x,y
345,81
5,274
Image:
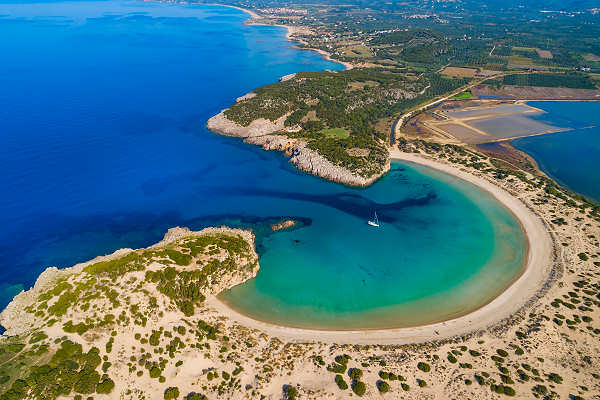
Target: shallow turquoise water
x,y
444,248
103,146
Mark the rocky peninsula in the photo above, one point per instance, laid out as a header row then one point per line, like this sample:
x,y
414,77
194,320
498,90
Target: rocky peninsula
x,y
146,323
271,135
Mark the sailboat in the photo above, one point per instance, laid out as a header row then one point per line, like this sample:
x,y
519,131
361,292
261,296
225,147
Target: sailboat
x,y
374,221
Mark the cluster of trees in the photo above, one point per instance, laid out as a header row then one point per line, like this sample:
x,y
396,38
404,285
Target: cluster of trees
x,y
354,100
416,36
184,288
336,151
330,94
69,370
572,80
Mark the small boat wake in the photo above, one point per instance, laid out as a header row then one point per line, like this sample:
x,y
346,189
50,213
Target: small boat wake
x,y
374,222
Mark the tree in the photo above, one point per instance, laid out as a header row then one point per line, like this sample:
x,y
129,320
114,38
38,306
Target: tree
x,y
359,388
195,396
424,367
383,386
106,386
171,393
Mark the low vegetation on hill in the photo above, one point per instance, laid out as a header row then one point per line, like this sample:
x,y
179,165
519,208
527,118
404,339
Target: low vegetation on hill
x,y
342,114
81,315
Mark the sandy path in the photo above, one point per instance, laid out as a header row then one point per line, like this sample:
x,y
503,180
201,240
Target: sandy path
x,y
534,276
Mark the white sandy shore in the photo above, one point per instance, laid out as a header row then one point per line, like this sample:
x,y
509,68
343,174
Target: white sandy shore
x,y
534,276
253,15
291,30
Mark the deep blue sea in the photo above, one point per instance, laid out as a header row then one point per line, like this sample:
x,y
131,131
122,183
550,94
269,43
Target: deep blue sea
x,y
103,145
572,158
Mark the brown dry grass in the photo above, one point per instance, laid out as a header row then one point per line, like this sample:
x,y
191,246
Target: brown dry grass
x,y
458,72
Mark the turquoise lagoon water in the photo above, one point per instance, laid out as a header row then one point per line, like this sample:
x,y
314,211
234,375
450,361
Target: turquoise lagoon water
x,y
103,145
572,157
444,248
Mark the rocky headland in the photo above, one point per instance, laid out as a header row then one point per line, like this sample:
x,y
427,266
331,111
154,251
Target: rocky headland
x,y
147,324
271,135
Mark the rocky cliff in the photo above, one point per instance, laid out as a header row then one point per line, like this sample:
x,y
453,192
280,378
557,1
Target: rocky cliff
x,y
18,317
261,133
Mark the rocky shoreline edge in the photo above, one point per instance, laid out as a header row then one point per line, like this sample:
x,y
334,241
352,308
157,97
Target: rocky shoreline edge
x,y
265,133
16,320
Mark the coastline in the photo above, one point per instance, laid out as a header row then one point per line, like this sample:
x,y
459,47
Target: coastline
x,y
524,287
262,132
253,15
146,323
291,30
16,320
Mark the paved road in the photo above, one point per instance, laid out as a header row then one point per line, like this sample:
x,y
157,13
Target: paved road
x,y
400,121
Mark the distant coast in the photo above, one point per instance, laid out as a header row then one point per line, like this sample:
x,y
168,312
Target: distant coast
x,y
290,34
147,323
260,132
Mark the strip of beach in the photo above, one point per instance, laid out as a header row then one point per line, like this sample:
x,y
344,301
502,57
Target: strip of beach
x,y
532,278
152,320
290,35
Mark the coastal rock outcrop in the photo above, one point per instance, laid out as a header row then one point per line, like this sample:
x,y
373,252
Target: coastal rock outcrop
x,y
288,223
17,318
223,126
247,96
260,132
309,161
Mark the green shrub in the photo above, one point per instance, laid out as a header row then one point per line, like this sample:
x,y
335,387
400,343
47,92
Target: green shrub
x,y
497,388
109,345
405,387
424,367
343,359
508,391
336,368
86,382
383,386
37,337
195,396
359,388
555,378
355,374
155,372
340,382
106,386
290,392
502,353
171,393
